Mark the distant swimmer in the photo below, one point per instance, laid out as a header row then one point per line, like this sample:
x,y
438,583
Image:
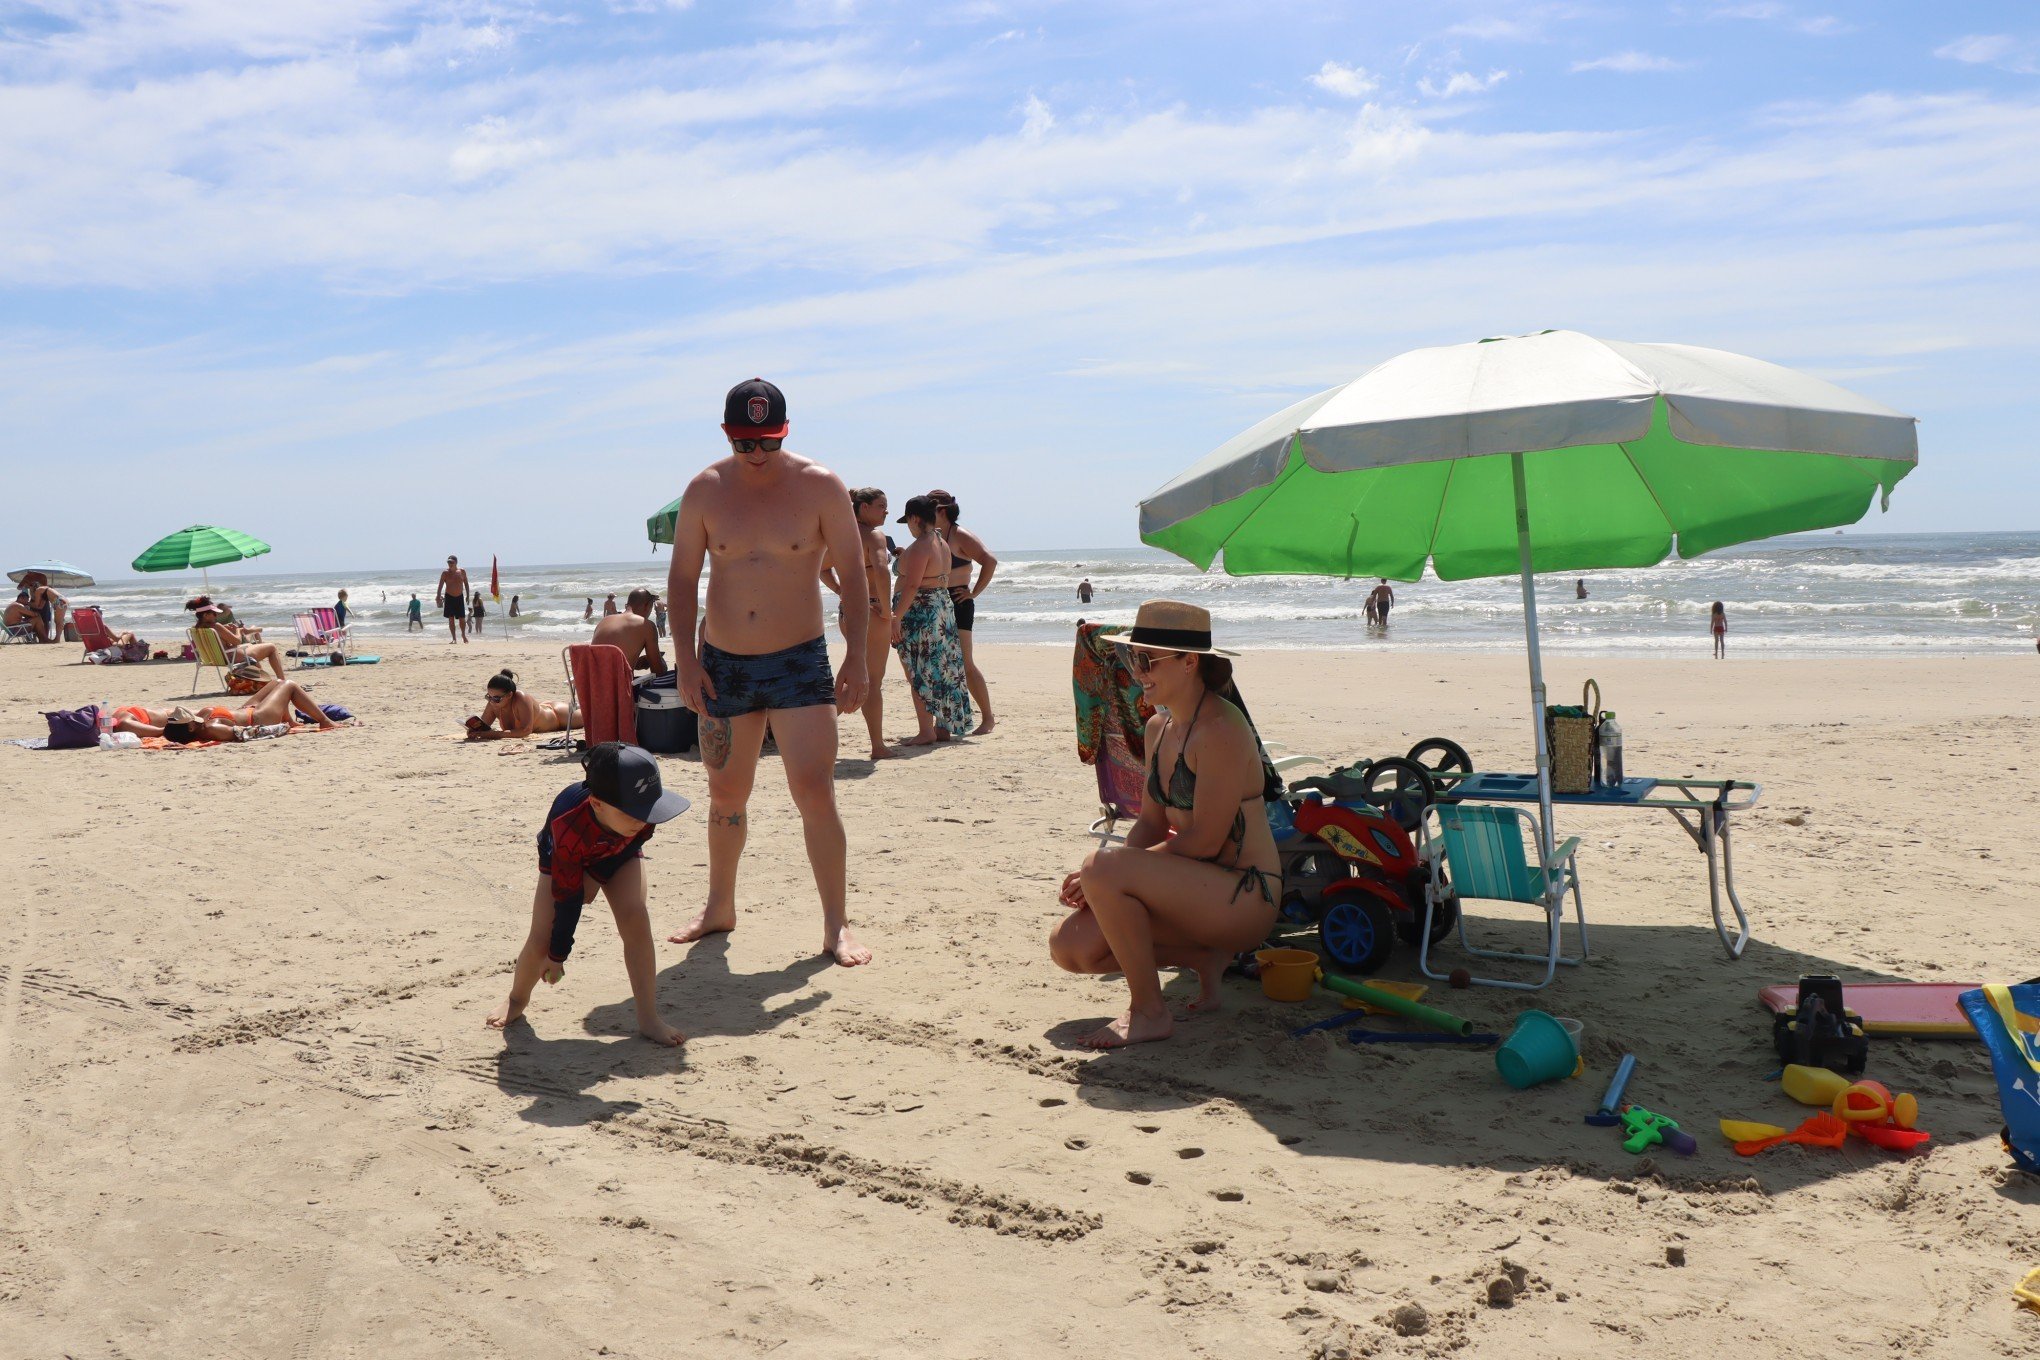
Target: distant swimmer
x,y
1084,591
609,606
451,597
415,614
1717,624
1580,588
588,613
515,607
1379,601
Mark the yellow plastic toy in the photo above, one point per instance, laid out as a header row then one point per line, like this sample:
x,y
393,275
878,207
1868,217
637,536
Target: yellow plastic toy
x,y
1858,1102
2028,1290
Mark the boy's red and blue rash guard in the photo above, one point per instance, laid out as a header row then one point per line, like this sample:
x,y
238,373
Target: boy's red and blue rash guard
x,y
574,849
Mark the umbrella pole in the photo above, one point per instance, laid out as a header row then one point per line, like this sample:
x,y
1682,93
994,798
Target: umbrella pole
x,y
1544,832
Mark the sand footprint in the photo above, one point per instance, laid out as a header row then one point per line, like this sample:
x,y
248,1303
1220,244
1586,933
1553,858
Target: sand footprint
x,y
1187,1153
1076,1144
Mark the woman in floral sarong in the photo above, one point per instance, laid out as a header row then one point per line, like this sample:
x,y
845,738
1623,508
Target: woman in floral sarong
x,y
924,631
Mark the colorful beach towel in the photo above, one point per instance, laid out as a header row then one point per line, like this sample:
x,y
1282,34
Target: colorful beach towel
x,y
932,656
602,680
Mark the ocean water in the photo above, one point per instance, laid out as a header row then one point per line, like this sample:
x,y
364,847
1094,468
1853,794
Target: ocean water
x,y
1803,595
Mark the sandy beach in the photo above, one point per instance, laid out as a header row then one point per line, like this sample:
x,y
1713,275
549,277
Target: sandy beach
x,y
251,1108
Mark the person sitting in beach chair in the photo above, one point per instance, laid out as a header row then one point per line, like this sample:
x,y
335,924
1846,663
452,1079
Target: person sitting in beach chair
x,y
509,712
38,608
237,644
633,633
1199,877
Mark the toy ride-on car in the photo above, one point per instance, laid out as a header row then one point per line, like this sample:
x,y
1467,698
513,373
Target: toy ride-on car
x,y
1354,871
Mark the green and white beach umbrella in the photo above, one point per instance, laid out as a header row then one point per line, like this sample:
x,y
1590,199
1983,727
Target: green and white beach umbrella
x,y
659,528
1546,452
201,546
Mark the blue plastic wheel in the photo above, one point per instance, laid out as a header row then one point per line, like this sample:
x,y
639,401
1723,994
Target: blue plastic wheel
x,y
1356,934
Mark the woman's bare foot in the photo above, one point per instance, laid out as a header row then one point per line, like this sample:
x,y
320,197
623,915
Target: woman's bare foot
x,y
884,753
659,1032
1130,1028
505,1015
845,950
1210,972
987,725
919,739
709,922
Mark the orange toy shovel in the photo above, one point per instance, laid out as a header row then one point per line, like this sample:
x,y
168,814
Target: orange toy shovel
x,y
1822,1130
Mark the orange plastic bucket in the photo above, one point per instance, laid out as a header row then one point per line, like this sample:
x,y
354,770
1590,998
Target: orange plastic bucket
x,y
1287,974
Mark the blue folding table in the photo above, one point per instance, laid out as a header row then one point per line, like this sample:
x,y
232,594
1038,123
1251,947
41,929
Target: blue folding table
x,y
1701,806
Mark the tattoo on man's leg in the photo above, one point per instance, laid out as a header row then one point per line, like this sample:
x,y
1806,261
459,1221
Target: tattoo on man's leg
x,y
726,818
715,742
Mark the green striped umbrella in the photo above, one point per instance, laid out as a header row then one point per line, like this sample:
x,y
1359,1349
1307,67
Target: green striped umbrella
x,y
200,546
1547,452
659,528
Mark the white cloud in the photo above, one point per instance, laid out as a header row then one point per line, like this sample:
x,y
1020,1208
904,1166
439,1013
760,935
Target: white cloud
x,y
2017,55
1037,118
1766,11
1461,82
1631,63
1348,82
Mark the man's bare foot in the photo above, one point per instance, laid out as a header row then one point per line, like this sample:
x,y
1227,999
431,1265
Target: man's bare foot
x,y
884,753
1130,1028
1210,972
709,922
659,1032
845,950
505,1015
987,725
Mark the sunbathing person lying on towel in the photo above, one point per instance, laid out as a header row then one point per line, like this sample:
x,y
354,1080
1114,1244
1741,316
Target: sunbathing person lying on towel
x,y
518,713
280,702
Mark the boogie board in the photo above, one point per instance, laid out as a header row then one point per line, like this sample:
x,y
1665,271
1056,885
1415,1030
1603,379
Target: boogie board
x,y
1919,1008
327,660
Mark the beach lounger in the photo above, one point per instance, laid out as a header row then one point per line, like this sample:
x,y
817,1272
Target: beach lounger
x,y
1481,848
20,632
599,686
205,643
330,627
310,637
92,629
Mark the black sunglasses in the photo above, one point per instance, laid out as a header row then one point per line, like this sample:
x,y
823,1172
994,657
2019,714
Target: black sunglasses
x,y
750,445
1141,658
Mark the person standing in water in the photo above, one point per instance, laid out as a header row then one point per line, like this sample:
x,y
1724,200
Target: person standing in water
x,y
515,608
1717,624
1380,600
1084,591
415,614
771,520
1580,588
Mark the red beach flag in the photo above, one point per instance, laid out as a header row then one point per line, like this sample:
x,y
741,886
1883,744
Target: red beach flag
x,y
495,581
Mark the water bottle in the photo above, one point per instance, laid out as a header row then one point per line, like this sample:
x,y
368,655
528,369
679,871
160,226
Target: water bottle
x,y
1611,752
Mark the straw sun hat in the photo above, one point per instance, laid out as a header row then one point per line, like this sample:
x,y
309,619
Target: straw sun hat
x,y
1172,626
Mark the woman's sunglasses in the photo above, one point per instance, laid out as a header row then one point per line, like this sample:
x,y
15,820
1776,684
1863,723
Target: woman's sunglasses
x,y
753,445
1142,659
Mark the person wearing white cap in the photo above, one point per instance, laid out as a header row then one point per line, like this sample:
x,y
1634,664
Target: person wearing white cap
x,y
1198,878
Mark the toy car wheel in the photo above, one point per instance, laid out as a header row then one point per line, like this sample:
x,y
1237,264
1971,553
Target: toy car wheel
x,y
1441,755
1401,788
1357,934
1443,918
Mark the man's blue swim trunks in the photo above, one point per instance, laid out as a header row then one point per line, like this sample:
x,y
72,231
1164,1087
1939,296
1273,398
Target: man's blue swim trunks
x,y
797,677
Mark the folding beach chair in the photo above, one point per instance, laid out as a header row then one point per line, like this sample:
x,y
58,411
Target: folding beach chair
x,y
19,632
598,681
330,627
309,637
1482,849
92,629
206,643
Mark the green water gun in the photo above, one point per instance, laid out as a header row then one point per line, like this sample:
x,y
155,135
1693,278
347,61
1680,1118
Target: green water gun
x,y
1649,1130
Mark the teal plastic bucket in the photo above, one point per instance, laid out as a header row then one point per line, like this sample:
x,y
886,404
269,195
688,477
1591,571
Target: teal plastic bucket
x,y
1537,1050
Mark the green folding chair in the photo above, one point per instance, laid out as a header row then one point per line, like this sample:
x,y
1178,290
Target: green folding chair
x,y
1481,850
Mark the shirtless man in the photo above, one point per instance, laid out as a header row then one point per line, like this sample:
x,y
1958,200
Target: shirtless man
x,y
868,504
633,631
451,597
770,519
966,548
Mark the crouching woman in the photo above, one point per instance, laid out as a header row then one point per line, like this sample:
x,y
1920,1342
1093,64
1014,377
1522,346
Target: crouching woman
x,y
1198,878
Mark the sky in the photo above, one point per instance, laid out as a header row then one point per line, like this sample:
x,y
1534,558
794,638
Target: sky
x,y
379,281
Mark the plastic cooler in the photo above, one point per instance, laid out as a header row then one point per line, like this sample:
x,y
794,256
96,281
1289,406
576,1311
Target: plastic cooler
x,y
665,726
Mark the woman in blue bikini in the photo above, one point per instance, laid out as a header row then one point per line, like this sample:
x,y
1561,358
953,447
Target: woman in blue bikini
x,y
1198,878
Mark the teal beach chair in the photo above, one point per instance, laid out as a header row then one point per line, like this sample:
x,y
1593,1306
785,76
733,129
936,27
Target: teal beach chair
x,y
1480,849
